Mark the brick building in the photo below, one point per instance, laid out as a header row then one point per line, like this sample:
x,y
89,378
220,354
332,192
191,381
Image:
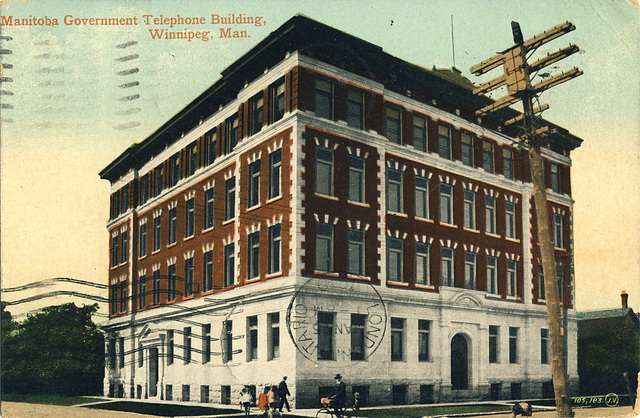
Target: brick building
x,y
326,207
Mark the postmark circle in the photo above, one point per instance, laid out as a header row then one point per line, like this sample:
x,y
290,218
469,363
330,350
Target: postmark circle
x,y
350,315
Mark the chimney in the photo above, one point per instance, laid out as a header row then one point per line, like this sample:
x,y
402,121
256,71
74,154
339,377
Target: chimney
x,y
624,298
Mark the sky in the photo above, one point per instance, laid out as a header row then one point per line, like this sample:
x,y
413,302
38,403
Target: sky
x,y
65,116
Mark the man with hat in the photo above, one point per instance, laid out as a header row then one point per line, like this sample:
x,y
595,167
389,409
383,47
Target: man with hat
x,y
339,396
283,392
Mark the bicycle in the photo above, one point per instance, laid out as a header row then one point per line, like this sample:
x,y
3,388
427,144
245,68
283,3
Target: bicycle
x,y
327,411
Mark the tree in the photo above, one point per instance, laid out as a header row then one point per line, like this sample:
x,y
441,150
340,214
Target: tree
x,y
57,351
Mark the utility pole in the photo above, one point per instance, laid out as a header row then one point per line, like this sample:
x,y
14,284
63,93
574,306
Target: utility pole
x,y
517,79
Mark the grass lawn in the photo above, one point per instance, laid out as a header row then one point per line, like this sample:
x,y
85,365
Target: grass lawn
x,y
50,399
431,410
163,410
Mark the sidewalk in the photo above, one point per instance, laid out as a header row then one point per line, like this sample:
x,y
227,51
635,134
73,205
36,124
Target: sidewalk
x,y
27,410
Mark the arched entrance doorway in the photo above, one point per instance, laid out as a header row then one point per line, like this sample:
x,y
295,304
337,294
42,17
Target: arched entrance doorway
x,y
459,362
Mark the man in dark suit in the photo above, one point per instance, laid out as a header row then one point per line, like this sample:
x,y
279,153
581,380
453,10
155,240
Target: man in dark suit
x,y
339,396
283,392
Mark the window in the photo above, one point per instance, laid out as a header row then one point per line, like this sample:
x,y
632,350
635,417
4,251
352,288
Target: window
x,y
274,335
357,336
277,93
229,264
140,359
124,199
142,291
513,345
469,270
168,391
541,290
394,190
188,277
123,247
142,240
446,204
204,393
144,189
207,272
174,164
544,346
325,335
419,133
206,343
173,218
356,179
227,341
158,172
355,255
511,220
423,275
275,242
211,139
397,339
511,278
114,251
252,340
557,230
393,130
355,108
192,158
230,199
560,280
114,298
275,164
121,352
470,209
169,347
253,251
324,99
394,259
189,218
324,247
156,287
257,105
123,296
422,197
208,208
232,133
186,393
324,171
507,162
254,184
446,269
171,291
555,177
493,343
112,353
186,344
444,142
423,339
156,232
487,156
467,149
490,214
492,276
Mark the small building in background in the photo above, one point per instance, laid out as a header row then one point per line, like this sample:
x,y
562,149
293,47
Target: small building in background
x,y
608,347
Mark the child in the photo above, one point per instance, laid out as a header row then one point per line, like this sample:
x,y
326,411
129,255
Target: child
x,y
246,400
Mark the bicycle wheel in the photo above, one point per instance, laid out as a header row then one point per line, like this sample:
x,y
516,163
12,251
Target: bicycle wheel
x,y
351,412
324,413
